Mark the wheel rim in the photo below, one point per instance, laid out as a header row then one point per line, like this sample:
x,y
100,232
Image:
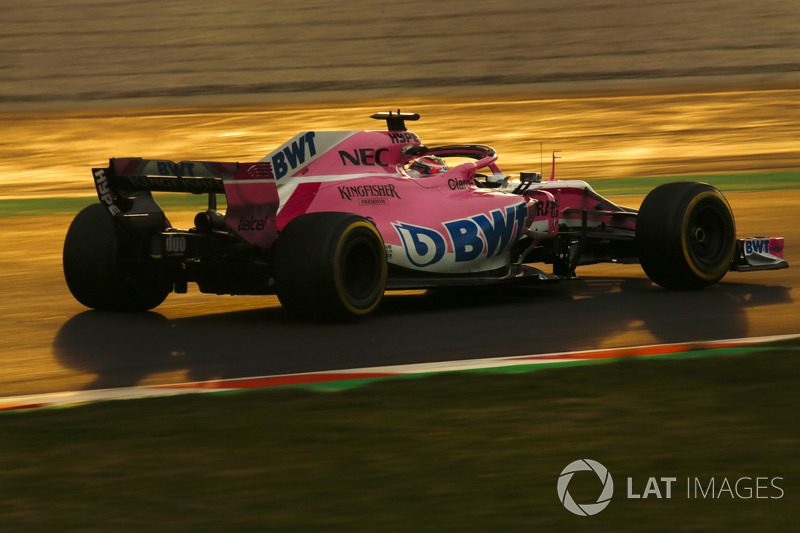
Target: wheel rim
x,y
708,236
360,270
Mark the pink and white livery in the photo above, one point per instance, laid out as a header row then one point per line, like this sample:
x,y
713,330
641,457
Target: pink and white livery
x,y
331,219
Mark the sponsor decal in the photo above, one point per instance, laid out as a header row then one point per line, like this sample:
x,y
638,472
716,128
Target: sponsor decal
x,y
756,246
252,224
150,182
469,234
459,184
471,237
547,207
294,155
369,191
403,137
104,191
365,157
175,244
423,246
168,168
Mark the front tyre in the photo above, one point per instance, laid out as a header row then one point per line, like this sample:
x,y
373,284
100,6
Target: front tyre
x,y
102,272
330,266
685,235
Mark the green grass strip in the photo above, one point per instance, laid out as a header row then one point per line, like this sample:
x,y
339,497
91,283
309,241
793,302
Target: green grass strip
x,y
71,206
456,451
741,181
347,384
744,181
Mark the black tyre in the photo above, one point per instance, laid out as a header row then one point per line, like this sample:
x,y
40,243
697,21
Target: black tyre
x,y
330,266
685,235
99,273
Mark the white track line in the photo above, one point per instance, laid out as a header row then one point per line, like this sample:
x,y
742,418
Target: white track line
x,y
56,399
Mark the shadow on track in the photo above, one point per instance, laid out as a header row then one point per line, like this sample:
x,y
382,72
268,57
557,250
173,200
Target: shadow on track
x,y
125,349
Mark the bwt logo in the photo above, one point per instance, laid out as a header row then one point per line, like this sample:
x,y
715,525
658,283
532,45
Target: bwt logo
x,y
169,168
423,246
756,246
293,155
472,237
586,509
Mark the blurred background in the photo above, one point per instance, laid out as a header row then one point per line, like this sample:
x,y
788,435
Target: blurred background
x,y
621,88
76,54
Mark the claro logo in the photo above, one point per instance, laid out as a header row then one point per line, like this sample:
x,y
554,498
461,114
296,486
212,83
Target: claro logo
x,y
459,185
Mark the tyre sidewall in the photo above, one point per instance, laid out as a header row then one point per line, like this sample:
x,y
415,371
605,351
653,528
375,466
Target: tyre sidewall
x,y
664,226
311,266
95,268
714,203
362,235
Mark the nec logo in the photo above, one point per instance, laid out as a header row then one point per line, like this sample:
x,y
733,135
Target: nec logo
x,y
293,155
365,156
471,237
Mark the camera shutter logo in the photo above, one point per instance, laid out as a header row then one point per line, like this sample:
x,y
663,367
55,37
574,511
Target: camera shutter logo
x,y
586,509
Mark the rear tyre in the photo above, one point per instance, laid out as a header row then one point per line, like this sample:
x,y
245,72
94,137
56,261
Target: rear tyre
x,y
330,266
98,272
685,235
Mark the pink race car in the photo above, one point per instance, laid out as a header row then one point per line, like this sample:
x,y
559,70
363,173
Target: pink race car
x,y
331,219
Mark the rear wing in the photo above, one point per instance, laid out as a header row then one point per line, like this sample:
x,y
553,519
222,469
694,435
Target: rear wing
x,y
125,187
125,179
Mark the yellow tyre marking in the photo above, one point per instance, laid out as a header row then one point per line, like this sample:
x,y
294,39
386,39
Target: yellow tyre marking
x,y
340,290
684,232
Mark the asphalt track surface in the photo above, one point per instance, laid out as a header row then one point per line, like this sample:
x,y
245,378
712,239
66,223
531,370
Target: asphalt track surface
x,y
51,343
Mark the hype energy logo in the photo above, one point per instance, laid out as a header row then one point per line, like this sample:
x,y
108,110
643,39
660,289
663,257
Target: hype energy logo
x,y
591,508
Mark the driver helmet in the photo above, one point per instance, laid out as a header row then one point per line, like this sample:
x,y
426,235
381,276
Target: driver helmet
x,y
428,165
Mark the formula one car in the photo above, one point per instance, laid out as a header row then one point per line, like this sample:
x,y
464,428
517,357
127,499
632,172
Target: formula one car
x,y
331,219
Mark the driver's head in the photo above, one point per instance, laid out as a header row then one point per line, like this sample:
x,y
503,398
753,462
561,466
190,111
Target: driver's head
x,y
428,165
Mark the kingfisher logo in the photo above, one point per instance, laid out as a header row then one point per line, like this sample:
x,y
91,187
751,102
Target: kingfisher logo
x,y
585,509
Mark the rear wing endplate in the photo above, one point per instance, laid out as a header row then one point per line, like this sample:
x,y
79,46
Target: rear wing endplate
x,y
125,188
